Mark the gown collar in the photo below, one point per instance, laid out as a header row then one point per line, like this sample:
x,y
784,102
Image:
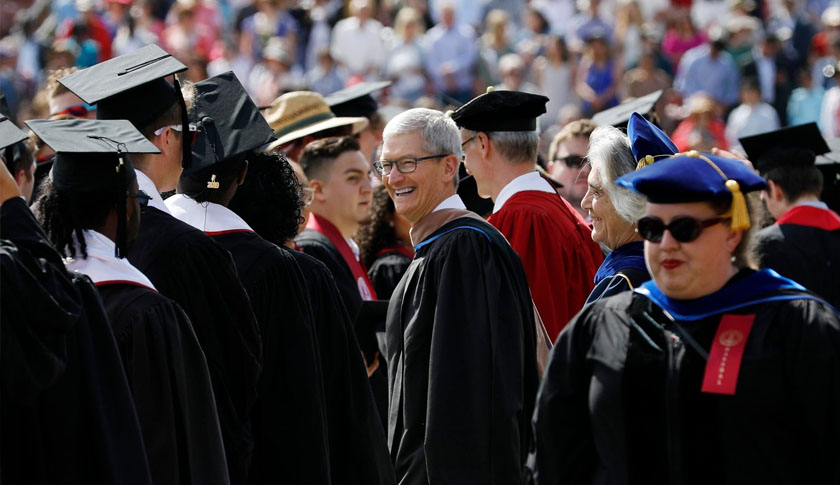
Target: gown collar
x,y
756,287
102,266
529,181
211,218
145,184
631,255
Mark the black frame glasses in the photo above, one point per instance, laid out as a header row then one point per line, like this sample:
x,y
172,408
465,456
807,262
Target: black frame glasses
x,y
683,228
404,165
573,161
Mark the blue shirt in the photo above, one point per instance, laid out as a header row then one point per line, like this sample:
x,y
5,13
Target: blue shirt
x,y
804,105
699,71
455,48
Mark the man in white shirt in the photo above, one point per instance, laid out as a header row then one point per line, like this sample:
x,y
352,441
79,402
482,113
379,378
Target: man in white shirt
x,y
357,43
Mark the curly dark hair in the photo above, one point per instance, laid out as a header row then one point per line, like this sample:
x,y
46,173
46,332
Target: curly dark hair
x,y
65,213
270,200
377,233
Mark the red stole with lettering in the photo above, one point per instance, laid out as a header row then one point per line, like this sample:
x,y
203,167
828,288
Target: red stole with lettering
x,y
328,229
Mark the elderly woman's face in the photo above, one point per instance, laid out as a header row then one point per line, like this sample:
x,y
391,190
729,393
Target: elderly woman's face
x,y
608,227
689,270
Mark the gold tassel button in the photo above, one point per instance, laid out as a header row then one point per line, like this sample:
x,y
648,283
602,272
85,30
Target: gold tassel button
x,y
695,154
490,89
740,215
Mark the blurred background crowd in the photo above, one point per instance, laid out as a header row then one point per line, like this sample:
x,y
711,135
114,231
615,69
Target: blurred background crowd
x,y
729,68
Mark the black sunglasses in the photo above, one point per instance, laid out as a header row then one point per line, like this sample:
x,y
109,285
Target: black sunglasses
x,y
683,228
572,161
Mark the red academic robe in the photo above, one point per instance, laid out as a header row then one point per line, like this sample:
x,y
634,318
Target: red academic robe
x,y
558,253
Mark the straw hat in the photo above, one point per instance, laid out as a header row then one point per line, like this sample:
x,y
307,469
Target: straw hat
x,y
300,113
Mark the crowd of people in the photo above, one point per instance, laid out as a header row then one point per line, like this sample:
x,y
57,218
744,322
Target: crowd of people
x,y
469,242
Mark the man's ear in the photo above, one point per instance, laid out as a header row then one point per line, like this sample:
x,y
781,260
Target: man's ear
x,y
318,189
450,166
484,144
21,177
775,191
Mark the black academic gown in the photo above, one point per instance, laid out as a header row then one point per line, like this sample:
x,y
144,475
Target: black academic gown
x,y
170,384
462,360
66,414
358,452
808,255
290,430
187,266
621,399
319,247
387,271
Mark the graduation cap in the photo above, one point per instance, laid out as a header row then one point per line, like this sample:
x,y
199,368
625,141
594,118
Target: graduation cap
x,y
695,177
618,116
91,156
761,147
132,87
356,100
764,151
227,122
647,141
501,111
10,141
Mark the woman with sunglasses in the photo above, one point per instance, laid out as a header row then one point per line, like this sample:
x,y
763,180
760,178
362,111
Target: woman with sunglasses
x,y
711,372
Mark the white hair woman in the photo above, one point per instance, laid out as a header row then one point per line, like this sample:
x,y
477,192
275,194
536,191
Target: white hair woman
x,y
709,372
614,211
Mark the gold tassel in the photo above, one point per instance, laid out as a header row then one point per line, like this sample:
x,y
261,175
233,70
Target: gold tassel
x,y
212,184
738,210
644,162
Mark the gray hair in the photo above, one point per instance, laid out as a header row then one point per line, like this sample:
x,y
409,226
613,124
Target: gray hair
x,y
609,152
516,146
440,133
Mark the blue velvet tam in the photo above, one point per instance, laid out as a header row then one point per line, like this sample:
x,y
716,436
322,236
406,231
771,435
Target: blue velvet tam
x,y
647,141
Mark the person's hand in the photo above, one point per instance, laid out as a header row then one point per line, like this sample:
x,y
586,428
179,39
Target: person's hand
x,y
8,187
371,368
734,155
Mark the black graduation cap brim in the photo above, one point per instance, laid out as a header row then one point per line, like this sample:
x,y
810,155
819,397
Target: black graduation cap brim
x,y
9,132
88,151
131,86
618,116
228,122
501,110
829,165
685,178
759,147
354,91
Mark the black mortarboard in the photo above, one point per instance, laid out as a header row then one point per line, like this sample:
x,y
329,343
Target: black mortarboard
x,y
10,136
91,156
132,87
501,111
618,116
356,100
228,122
761,147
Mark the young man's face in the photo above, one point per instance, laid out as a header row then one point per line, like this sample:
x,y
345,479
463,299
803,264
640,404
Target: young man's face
x,y
346,193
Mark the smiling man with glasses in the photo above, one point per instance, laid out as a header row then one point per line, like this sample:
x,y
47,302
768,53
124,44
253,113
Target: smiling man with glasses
x,y
460,332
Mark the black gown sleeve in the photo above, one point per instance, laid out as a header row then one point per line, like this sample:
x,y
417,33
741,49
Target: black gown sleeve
x,y
170,385
385,273
358,450
564,447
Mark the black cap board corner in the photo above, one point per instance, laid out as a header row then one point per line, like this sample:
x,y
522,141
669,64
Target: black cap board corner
x,y
618,116
90,156
501,110
227,120
759,147
9,132
355,100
